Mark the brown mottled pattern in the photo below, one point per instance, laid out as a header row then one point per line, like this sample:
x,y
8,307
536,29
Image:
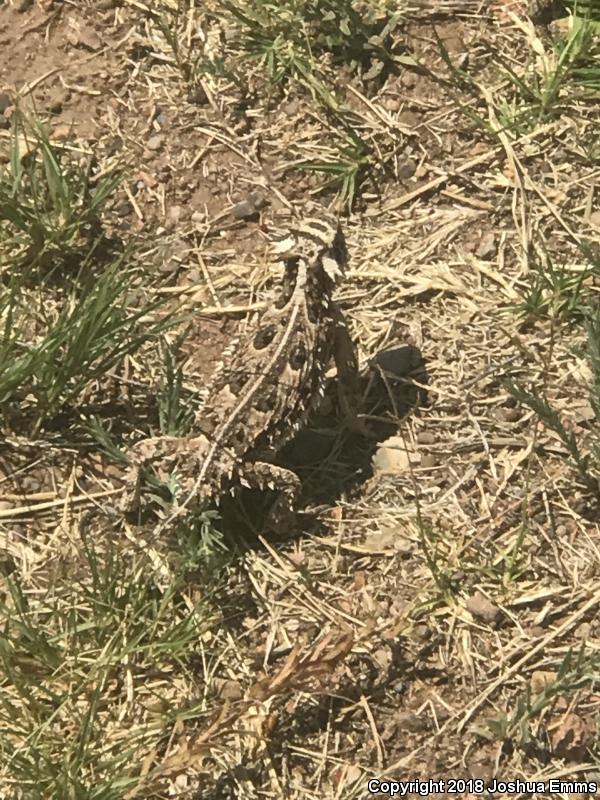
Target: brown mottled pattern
x,y
266,387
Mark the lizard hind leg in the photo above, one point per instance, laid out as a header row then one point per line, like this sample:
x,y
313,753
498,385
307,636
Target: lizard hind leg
x,y
262,475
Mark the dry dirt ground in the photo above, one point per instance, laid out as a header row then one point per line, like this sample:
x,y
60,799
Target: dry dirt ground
x,y
424,630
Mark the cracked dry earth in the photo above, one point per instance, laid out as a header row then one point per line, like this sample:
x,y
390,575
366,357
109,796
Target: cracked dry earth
x,y
454,572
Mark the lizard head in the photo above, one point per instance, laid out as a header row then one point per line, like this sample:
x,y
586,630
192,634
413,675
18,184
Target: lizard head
x,y
318,243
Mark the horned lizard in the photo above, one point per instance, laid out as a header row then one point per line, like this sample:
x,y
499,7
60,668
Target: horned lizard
x,y
265,387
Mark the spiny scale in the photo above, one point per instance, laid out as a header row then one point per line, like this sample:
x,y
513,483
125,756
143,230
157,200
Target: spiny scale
x,y
269,385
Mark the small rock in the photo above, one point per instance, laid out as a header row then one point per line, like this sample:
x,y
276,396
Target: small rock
x,y
429,460
291,108
113,145
391,457
482,608
392,103
562,530
509,414
258,198
170,266
244,210
389,540
409,721
231,690
24,5
197,95
147,180
407,169
174,214
486,249
112,471
425,437
62,132
380,541
87,38
155,142
31,485
540,679
422,632
123,209
248,209
583,631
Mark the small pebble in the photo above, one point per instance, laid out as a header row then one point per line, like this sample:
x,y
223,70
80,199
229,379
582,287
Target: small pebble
x,y
155,142
197,96
422,632
231,690
391,457
62,132
174,214
245,210
123,209
482,608
407,169
409,721
392,103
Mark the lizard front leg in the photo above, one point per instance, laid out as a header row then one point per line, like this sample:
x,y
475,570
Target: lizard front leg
x,y
262,475
166,456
